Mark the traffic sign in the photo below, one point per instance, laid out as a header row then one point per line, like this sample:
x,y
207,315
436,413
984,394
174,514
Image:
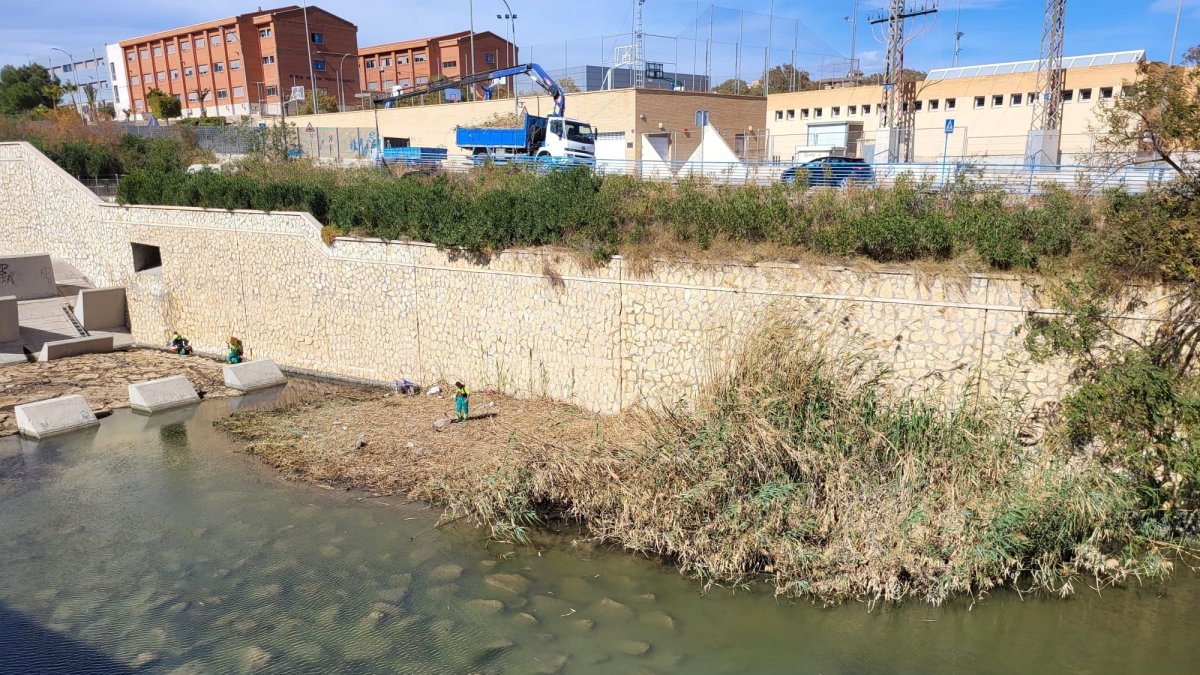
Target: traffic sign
x,y
309,128
950,126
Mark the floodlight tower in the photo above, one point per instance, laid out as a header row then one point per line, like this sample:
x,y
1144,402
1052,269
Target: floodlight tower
x,y
896,109
639,48
1045,131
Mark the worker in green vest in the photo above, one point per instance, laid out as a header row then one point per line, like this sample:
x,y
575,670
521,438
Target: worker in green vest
x,y
461,404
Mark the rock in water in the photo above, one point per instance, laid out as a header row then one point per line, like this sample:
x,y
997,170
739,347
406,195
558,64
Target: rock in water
x,y
509,583
485,606
142,660
254,659
445,573
634,647
613,609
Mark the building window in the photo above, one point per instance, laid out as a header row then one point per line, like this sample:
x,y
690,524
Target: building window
x,y
231,37
419,57
951,103
1029,98
272,90
978,102
917,106
405,82
131,55
1085,95
318,38
219,67
489,58
215,40
203,68
222,93
1106,93
235,64
387,84
319,64
1014,99
454,64
997,100
804,113
135,79
370,63
372,86
387,61
818,112
145,257
264,33
171,49
200,44
422,80
139,105
158,51
401,60
835,111
188,72
185,46
933,104
192,96
866,108
238,92
853,110
779,115
174,74
145,54
268,60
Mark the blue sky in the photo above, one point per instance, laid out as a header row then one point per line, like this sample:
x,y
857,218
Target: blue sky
x,y
558,31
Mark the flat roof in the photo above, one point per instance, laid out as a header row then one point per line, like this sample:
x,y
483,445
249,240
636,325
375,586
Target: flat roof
x,y
1068,62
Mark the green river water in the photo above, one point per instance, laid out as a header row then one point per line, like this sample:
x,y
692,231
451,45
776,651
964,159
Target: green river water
x,y
151,545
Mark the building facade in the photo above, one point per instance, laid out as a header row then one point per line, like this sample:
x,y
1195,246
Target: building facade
x,y
242,65
413,62
84,70
991,108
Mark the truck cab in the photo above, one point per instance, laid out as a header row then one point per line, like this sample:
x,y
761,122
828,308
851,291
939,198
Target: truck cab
x,y
566,137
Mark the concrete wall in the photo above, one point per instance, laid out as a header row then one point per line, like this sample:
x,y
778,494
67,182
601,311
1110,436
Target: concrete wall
x,y
10,322
100,308
530,323
28,277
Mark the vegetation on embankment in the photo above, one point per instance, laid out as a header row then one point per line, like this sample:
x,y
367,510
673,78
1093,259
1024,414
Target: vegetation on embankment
x,y
799,466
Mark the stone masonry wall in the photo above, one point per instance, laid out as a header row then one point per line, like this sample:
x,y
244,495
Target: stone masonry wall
x,y
529,323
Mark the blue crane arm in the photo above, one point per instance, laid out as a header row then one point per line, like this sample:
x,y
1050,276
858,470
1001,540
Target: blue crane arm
x,y
533,70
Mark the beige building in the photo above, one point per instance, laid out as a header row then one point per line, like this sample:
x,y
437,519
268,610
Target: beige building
x,y
991,105
630,122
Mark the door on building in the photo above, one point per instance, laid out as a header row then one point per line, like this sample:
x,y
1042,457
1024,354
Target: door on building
x,y
661,144
610,152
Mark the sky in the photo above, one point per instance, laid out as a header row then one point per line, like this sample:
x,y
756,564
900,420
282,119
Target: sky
x,y
558,32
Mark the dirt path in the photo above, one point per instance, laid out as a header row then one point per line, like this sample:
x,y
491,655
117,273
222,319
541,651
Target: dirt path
x,y
103,379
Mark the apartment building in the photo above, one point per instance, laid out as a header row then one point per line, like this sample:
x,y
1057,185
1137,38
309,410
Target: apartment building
x,y
85,69
991,107
240,65
413,62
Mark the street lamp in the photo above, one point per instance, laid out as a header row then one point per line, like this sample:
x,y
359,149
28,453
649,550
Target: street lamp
x,y
341,90
76,76
512,45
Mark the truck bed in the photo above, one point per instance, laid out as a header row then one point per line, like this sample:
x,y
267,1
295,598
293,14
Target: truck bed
x,y
490,138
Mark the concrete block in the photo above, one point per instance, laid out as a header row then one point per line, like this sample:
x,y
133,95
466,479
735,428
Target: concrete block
x,y
60,349
10,320
162,394
253,375
55,416
101,308
28,277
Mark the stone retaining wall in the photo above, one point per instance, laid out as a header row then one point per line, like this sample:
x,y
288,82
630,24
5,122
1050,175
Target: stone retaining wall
x,y
529,323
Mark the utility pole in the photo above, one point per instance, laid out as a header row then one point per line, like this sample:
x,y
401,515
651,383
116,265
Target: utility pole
x,y
1045,131
639,47
75,74
958,35
512,46
767,56
896,109
471,11
312,78
853,38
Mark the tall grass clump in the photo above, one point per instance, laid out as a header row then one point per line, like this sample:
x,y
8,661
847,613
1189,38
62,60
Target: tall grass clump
x,y
802,466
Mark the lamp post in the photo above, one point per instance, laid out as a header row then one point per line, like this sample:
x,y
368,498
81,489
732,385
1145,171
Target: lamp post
x,y
75,75
512,46
341,89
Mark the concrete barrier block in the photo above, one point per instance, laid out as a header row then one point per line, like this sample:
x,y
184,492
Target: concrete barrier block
x,y
162,394
10,320
253,375
60,349
55,416
28,277
101,308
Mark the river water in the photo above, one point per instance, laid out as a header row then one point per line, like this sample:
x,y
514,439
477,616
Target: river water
x,y
151,545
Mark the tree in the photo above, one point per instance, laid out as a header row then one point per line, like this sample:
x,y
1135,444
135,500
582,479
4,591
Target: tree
x,y
202,94
27,87
905,76
568,86
788,78
164,106
325,102
733,86
1157,115
106,110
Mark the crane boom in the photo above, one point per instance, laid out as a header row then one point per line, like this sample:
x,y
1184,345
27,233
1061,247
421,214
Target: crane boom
x,y
533,70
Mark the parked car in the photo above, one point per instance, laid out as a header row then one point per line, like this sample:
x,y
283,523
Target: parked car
x,y
832,172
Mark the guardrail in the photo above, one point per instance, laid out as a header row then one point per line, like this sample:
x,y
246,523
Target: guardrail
x,y
1014,178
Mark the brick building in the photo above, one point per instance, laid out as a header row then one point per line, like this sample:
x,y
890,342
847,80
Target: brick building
x,y
412,62
242,65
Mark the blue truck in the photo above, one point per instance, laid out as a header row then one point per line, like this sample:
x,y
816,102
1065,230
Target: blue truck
x,y
554,138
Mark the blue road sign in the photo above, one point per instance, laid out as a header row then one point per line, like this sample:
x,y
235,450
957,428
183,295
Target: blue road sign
x,y
950,126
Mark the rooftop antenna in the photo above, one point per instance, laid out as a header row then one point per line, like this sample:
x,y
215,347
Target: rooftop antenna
x,y
896,109
958,35
853,18
639,47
